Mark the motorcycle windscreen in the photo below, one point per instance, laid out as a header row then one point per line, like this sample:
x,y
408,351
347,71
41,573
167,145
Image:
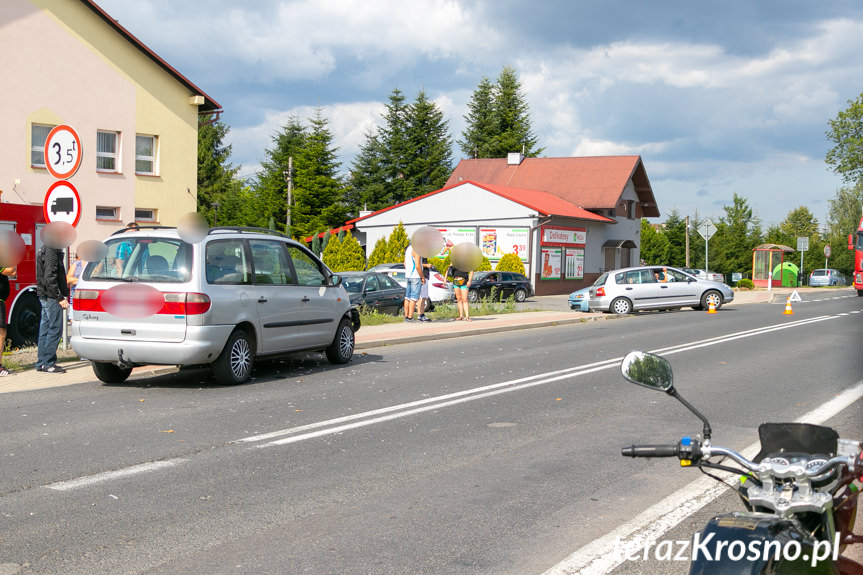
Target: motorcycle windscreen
x,y
796,438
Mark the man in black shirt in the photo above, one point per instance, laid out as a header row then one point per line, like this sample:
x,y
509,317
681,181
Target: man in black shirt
x,y
53,292
4,293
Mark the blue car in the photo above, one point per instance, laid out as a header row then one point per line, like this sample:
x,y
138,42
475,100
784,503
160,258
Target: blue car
x,y
578,299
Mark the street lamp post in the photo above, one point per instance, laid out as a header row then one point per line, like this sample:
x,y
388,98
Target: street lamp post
x,y
216,209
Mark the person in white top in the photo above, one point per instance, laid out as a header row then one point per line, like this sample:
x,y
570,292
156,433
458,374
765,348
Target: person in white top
x,y
415,279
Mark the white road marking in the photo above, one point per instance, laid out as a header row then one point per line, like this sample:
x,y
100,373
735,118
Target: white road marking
x,y
109,475
341,424
599,557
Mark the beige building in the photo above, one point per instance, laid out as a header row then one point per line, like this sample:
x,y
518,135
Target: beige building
x,y
68,62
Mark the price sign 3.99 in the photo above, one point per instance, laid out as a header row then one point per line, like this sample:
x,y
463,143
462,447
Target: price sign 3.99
x,y
63,152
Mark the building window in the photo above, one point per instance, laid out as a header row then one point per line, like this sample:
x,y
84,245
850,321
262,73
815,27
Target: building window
x,y
146,215
145,155
105,213
106,151
38,137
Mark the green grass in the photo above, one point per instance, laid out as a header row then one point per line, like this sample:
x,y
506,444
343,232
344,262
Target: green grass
x,y
448,310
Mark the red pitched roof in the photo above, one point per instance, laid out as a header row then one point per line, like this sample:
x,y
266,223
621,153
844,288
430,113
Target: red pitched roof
x,y
592,183
544,203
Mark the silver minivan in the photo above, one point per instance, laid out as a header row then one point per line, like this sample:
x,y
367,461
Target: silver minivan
x,y
655,287
237,294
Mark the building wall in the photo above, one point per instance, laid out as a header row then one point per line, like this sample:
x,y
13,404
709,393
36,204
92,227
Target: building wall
x,y
72,68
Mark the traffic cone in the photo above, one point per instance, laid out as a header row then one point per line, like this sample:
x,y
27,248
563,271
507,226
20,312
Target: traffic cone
x,y
711,308
788,310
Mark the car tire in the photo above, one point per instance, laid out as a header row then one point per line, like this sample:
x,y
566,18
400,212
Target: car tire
x,y
342,348
110,373
472,296
24,322
520,295
621,306
711,296
234,364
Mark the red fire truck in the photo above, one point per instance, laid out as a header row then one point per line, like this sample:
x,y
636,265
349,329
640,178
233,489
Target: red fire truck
x,y
855,242
22,305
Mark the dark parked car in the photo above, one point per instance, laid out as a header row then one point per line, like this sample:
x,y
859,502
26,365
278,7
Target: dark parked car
x,y
497,285
374,291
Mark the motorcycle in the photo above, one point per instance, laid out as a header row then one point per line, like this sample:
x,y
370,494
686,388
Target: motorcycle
x,y
798,492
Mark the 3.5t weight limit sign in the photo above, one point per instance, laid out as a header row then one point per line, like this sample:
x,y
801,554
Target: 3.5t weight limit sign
x,y
63,152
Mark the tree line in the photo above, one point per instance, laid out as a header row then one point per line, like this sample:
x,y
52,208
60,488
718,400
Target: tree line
x,y
739,232
407,155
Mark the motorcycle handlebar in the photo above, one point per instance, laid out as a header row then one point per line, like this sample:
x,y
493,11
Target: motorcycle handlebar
x,y
650,451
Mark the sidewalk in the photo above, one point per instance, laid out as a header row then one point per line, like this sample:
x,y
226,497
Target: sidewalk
x,y
554,311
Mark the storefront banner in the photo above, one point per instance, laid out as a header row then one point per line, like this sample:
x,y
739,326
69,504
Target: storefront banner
x,y
550,263
497,242
574,264
459,235
564,236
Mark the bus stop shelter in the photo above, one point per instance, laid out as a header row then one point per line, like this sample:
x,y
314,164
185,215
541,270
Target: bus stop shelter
x,y
767,265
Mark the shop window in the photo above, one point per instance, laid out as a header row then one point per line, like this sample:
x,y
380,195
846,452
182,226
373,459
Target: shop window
x,y
38,137
145,155
106,151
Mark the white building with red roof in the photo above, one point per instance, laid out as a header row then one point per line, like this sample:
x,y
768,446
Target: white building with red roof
x,y
569,219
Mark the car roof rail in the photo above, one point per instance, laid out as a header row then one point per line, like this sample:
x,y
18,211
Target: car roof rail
x,y
145,227
249,230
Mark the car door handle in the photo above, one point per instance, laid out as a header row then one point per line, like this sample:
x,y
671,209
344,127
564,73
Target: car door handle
x,y
629,289
262,299
664,287
305,299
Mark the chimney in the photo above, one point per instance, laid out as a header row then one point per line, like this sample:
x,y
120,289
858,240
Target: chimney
x,y
514,158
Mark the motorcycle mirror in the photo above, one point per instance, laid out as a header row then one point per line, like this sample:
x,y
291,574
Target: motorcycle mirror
x,y
648,370
654,372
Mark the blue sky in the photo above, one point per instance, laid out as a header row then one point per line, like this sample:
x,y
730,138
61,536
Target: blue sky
x,y
717,98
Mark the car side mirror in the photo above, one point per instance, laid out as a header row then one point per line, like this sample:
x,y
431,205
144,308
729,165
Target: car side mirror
x,y
336,280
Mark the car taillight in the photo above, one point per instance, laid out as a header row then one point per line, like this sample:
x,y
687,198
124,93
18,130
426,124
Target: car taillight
x,y
87,300
185,304
176,303
600,291
439,285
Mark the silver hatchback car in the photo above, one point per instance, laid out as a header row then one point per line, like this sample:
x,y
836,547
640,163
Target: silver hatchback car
x,y
654,287
237,294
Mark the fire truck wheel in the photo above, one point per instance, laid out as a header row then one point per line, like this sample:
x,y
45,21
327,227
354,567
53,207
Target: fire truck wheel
x,y
24,323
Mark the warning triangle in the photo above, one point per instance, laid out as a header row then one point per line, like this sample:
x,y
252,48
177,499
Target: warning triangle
x,y
796,296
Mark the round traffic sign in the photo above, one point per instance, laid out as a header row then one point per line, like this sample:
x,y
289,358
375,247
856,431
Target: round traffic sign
x,y
62,204
827,251
63,152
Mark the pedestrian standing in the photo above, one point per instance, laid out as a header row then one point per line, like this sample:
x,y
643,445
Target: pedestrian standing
x,y
4,293
415,279
424,290
72,280
53,292
461,286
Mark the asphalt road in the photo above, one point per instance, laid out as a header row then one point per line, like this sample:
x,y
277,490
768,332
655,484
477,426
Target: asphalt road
x,y
492,455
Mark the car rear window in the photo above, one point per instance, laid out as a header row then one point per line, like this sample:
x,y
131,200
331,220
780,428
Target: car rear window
x,y
145,259
819,273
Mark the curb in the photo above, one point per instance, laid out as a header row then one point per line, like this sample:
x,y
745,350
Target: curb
x,y
381,341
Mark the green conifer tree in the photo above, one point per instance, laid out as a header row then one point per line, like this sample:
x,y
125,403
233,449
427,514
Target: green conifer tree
x,y
351,256
332,253
379,253
397,244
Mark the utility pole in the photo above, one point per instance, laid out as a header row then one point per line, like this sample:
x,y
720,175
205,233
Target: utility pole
x,y
687,242
289,179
